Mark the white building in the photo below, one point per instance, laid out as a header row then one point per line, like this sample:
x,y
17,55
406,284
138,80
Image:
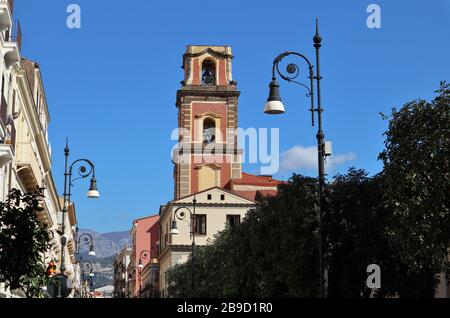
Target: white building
x,y
25,152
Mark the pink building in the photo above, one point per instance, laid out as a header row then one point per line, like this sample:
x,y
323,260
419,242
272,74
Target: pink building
x,y
145,235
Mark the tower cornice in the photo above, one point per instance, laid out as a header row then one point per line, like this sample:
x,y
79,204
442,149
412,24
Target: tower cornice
x,y
208,91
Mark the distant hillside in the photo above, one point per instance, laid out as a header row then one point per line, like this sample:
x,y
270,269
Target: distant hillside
x,y
106,246
117,236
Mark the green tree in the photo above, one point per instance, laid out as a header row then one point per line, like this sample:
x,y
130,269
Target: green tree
x,y
273,253
354,229
23,241
417,187
398,219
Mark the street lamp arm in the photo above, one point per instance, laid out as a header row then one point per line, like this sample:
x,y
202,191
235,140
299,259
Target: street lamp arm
x,y
180,215
82,171
145,254
88,239
88,265
294,71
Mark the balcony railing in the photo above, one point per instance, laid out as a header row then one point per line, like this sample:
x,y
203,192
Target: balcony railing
x,y
15,34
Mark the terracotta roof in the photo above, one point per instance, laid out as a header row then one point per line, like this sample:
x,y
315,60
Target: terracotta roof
x,y
256,195
251,179
146,217
249,195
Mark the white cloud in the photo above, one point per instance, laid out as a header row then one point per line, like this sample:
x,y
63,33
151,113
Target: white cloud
x,y
305,158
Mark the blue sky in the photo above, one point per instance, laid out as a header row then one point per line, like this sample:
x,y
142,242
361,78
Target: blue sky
x,y
111,85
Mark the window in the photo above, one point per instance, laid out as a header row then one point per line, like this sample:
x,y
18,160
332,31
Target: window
x,y
233,220
200,224
222,197
209,130
208,72
209,196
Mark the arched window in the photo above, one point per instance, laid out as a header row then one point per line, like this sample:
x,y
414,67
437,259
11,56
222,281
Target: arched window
x,y
208,72
209,130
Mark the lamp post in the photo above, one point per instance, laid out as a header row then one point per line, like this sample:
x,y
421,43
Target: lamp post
x,y
274,105
145,254
130,277
83,172
89,266
180,215
87,240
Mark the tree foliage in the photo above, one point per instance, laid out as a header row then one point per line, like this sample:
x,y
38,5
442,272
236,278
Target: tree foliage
x,y
354,230
272,253
398,219
417,186
23,241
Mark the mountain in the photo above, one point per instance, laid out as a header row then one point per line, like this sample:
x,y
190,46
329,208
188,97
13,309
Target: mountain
x,y
106,246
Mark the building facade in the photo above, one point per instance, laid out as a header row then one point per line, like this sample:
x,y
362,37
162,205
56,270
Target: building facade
x,y
25,152
149,270
144,234
120,265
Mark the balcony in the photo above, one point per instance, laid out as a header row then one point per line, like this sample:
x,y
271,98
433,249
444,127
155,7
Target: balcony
x,y
45,216
6,14
7,128
7,135
28,166
13,44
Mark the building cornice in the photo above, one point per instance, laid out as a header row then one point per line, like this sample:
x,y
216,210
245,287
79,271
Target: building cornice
x,y
196,91
174,248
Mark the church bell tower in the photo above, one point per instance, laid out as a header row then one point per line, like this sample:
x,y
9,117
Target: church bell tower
x,y
207,154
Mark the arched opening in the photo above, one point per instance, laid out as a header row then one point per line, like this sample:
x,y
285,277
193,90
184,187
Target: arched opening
x,y
208,72
209,130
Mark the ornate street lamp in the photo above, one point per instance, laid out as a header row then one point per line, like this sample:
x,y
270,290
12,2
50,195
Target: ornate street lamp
x,y
133,269
86,279
90,267
274,105
145,254
83,172
87,240
180,215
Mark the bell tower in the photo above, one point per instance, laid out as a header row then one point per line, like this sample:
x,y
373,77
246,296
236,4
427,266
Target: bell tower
x,y
207,154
